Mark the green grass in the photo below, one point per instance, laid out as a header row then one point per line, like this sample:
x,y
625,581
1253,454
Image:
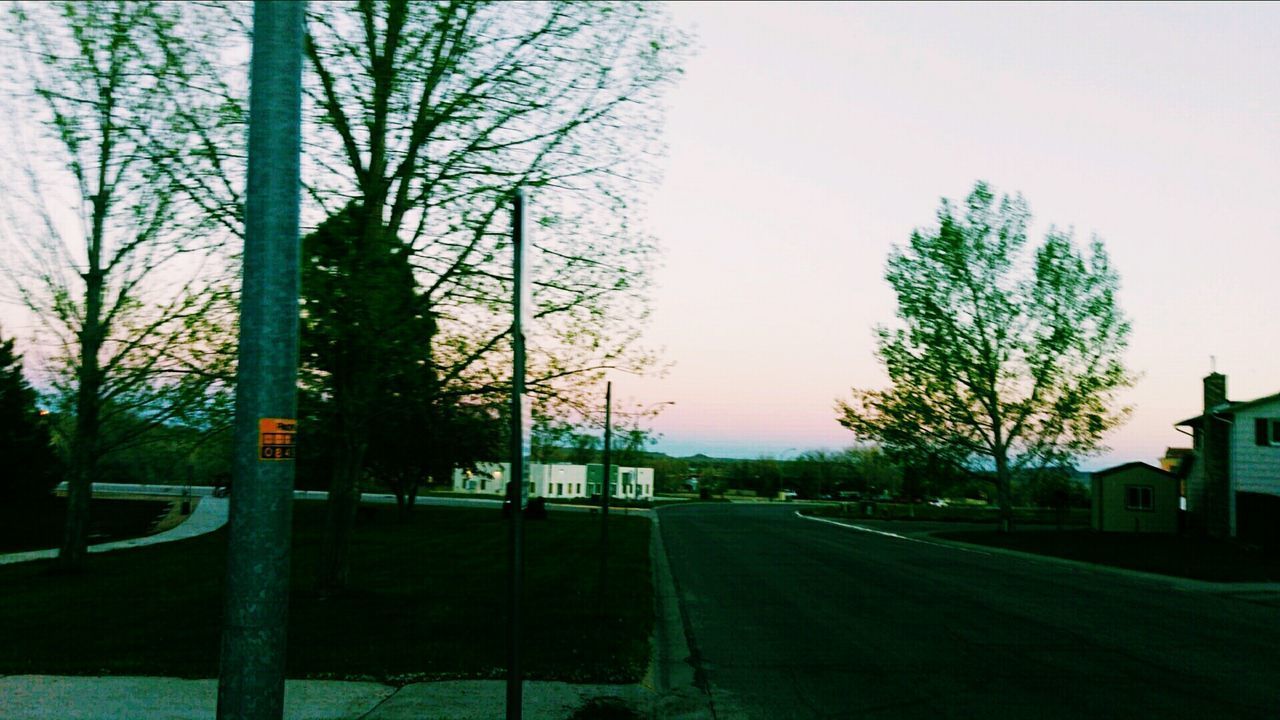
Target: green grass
x,y
951,513
1186,557
38,524
428,601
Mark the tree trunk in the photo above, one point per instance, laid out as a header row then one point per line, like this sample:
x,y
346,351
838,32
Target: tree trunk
x,y
84,441
1004,492
401,501
344,500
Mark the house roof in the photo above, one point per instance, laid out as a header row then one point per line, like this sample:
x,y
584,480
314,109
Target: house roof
x,y
1229,408
1130,466
1178,452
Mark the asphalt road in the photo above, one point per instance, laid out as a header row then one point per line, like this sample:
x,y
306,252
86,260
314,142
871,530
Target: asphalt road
x,y
792,618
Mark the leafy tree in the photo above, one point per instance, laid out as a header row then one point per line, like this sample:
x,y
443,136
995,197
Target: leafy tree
x,y
998,358
121,90
31,466
428,115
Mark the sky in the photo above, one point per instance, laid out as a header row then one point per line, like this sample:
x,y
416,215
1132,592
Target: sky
x,y
806,139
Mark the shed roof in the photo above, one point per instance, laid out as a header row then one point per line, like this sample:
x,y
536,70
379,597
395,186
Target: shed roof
x,y
1131,466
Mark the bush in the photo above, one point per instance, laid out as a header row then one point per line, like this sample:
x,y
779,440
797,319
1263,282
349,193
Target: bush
x,y
536,509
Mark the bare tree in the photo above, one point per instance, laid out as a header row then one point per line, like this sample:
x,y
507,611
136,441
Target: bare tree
x,y
118,261
429,115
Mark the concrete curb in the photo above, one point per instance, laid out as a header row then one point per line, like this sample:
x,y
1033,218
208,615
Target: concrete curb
x,y
1184,584
671,675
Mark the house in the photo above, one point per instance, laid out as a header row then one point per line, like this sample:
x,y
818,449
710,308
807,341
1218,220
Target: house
x,y
557,480
1173,458
1135,497
1233,478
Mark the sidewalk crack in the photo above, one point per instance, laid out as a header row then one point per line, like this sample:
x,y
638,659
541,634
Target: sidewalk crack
x,y
372,710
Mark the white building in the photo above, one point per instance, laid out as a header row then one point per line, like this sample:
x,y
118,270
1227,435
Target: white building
x,y
557,480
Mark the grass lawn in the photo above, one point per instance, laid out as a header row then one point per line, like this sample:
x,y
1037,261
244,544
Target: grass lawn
x,y
1187,557
951,513
38,524
428,602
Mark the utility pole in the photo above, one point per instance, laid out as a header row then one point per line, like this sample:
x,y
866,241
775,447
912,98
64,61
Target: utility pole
x,y
520,425
604,494
256,600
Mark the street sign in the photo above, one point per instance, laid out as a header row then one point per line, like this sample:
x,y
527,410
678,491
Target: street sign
x,y
276,438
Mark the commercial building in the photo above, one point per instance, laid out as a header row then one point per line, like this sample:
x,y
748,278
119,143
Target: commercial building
x,y
557,480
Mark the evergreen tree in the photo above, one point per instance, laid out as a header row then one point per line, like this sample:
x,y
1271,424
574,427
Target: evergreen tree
x,y
31,467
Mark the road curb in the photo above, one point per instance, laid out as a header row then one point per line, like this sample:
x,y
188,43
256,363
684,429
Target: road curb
x,y
671,675
1183,584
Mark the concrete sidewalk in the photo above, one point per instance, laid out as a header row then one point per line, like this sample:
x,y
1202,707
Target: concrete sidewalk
x,y
45,697
209,515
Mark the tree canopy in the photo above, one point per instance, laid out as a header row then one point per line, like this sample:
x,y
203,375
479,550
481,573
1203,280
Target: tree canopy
x,y
1000,356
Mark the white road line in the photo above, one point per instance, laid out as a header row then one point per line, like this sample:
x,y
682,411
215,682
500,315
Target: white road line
x,y
885,533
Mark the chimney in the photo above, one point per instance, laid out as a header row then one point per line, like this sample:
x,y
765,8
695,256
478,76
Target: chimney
x,y
1215,391
1217,474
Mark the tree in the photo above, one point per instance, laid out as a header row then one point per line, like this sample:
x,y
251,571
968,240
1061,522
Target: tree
x,y
31,467
422,433
121,91
996,360
428,115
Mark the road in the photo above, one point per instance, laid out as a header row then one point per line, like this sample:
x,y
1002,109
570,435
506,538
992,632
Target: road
x,y
792,618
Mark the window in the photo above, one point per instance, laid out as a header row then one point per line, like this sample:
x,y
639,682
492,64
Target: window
x,y
1138,497
1267,431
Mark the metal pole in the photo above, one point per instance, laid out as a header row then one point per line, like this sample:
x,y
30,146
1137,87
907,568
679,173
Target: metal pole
x,y
604,494
256,601
516,486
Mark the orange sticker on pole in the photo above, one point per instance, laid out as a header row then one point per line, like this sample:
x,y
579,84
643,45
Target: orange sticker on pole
x,y
276,438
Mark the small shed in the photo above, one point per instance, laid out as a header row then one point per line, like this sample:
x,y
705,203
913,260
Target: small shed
x,y
1135,497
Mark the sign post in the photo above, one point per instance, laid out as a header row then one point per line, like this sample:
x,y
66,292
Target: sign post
x,y
517,485
256,599
605,488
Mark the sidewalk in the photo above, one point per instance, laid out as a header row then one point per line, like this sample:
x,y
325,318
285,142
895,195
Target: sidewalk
x,y
209,515
45,697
